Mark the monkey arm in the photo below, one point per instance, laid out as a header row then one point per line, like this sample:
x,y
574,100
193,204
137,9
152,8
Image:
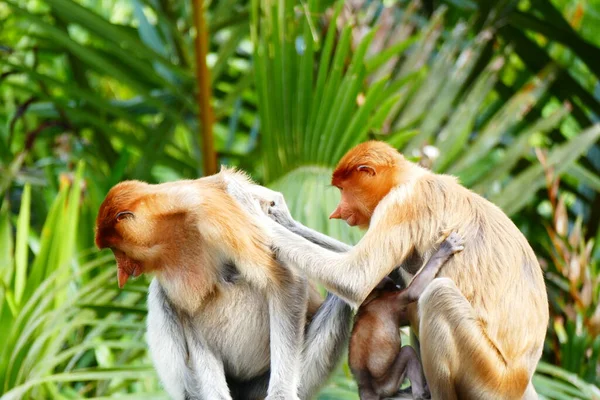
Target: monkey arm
x,y
254,198
173,349
208,379
351,275
278,211
280,214
447,249
167,344
318,238
287,313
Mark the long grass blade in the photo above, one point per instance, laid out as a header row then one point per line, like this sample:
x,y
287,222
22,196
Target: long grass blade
x,y
330,92
312,134
21,247
515,151
455,134
444,96
6,246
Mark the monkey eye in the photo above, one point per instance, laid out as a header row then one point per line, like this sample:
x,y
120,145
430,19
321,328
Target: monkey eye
x,y
123,215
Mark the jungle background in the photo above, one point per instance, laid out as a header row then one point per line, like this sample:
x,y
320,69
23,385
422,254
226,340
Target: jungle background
x,y
504,95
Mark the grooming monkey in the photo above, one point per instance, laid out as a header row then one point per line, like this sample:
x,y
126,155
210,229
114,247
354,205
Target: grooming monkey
x,y
482,323
225,319
377,359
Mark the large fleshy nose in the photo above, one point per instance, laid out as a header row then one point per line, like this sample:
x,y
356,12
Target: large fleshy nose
x,y
122,277
336,214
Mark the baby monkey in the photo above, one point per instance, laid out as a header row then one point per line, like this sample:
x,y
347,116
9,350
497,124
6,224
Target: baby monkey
x,y
377,359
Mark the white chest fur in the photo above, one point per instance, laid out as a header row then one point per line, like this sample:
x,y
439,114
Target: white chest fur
x,y
236,325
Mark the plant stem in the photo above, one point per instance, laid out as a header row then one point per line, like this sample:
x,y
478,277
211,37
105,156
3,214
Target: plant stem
x,y
203,94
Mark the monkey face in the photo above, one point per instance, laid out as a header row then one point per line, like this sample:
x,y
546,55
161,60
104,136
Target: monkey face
x,y
351,209
124,227
365,175
361,192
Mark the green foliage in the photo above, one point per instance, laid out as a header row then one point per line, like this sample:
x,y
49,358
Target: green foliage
x,y
53,334
112,88
468,88
483,151
483,139
574,284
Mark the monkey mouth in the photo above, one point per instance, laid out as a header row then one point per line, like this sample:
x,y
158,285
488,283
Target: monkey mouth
x,y
126,267
351,220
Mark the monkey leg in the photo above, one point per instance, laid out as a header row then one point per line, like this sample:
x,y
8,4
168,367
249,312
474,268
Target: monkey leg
x,y
406,364
365,382
287,313
324,344
367,393
459,359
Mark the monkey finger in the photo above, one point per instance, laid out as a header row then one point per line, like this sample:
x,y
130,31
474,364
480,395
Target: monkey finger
x,y
456,239
245,199
458,249
444,234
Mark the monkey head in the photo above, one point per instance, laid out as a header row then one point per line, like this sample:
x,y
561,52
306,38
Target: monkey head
x,y
139,225
176,229
364,176
122,226
386,285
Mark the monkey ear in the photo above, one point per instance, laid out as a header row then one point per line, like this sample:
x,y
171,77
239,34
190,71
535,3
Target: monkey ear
x,y
366,168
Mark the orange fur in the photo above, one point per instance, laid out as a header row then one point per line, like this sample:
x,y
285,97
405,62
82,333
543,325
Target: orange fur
x,y
361,191
493,354
222,310
179,228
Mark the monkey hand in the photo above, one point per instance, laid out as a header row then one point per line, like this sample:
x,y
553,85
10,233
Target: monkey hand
x,y
278,211
454,243
273,204
245,197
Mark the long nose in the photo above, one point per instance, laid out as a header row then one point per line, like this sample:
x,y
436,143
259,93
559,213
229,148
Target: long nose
x,y
336,214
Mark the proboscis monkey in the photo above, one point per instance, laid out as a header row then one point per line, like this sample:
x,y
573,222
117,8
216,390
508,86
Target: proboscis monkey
x,y
225,318
377,359
482,323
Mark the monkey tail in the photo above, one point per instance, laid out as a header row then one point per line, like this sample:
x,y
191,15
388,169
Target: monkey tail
x,y
325,340
458,352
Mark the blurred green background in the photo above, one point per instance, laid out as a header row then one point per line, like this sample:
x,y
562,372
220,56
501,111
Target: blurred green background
x,y
503,94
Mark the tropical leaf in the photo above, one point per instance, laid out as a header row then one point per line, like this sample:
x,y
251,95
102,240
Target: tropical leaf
x,y
469,97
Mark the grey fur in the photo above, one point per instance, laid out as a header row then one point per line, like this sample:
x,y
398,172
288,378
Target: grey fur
x,y
214,355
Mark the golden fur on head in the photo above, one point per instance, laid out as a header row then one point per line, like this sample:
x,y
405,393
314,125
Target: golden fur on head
x,y
366,174
379,155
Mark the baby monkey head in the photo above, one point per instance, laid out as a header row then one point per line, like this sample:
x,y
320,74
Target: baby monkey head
x,y
386,285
